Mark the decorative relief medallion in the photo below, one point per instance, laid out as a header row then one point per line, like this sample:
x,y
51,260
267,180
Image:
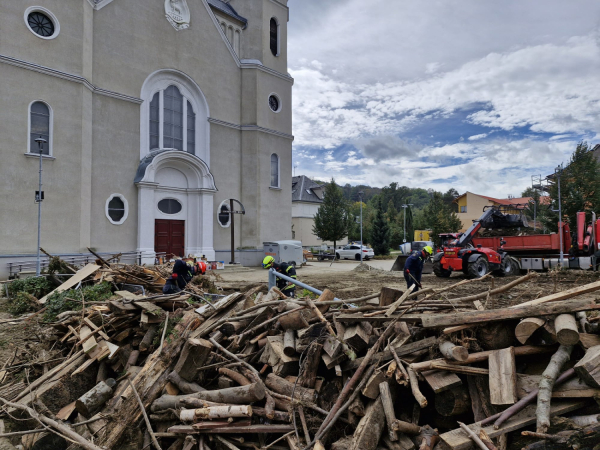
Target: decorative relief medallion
x,y
178,14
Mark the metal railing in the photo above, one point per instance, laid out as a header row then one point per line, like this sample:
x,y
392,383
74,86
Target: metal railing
x,y
133,257
273,275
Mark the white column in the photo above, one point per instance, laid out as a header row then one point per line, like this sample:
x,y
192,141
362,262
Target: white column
x,y
193,224
207,218
146,221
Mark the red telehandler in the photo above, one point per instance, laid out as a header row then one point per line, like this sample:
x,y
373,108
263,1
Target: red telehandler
x,y
476,261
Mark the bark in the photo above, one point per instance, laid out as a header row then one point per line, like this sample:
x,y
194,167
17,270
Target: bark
x,y
289,343
184,386
282,386
215,412
388,408
414,386
453,352
148,338
90,403
192,358
549,376
308,376
235,376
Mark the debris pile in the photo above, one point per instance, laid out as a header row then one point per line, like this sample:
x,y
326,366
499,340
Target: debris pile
x,y
257,370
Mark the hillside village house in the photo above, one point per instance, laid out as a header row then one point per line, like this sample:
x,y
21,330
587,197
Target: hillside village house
x,y
470,206
155,113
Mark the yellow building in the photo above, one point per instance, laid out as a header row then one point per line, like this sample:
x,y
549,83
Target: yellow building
x,y
470,206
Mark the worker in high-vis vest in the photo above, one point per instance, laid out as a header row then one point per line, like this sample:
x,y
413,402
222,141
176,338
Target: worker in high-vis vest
x,y
288,289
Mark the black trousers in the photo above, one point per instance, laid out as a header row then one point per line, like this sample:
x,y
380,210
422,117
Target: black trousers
x,y
410,282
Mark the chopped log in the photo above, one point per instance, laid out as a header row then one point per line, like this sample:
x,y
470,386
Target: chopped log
x,y
387,296
549,376
503,377
215,412
356,337
453,352
370,428
278,416
588,368
308,377
284,387
453,402
477,317
132,360
527,327
92,401
388,408
148,338
289,342
192,358
231,328
275,357
294,321
394,306
566,329
441,381
239,395
235,376
371,389
184,386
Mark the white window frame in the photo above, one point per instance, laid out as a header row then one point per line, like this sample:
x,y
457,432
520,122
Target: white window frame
x,y
51,130
278,101
278,36
126,212
158,82
48,13
278,171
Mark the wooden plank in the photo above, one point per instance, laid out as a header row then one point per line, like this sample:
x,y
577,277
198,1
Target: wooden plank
x,y
574,388
81,275
587,288
503,377
208,310
386,355
458,440
90,343
128,295
477,317
588,368
276,429
441,381
93,326
66,411
352,318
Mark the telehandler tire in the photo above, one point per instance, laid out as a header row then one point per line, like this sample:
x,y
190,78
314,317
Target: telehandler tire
x,y
478,268
439,271
508,268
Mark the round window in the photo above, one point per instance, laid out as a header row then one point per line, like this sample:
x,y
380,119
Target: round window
x,y
169,206
224,215
42,22
274,103
116,209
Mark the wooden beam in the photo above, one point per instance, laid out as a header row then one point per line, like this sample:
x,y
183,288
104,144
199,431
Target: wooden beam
x,y
81,275
503,377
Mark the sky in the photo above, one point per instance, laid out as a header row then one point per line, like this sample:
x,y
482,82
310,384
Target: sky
x,y
476,95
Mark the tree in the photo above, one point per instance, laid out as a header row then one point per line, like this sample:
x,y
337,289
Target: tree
x,y
440,218
392,212
579,185
529,192
449,198
332,219
380,234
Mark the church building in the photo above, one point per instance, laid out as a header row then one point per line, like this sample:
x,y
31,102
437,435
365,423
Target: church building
x,y
154,113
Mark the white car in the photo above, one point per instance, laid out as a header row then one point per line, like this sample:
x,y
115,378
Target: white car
x,y
352,251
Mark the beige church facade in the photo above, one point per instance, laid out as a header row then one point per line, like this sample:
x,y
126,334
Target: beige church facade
x,y
155,113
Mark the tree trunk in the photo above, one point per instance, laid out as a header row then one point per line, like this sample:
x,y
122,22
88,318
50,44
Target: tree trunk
x,y
549,376
284,387
566,329
184,386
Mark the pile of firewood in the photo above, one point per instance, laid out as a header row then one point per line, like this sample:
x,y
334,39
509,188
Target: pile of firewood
x,y
255,369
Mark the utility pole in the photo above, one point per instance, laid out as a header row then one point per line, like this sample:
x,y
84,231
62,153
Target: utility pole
x,y
360,196
405,206
38,198
558,172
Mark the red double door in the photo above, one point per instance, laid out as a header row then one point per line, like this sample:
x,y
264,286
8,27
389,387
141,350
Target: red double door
x,y
169,237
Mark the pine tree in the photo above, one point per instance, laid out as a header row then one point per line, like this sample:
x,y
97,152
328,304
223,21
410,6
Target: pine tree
x,y
380,234
392,212
332,220
440,218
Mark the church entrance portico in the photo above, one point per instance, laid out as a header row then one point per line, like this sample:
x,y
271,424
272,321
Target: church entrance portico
x,y
175,203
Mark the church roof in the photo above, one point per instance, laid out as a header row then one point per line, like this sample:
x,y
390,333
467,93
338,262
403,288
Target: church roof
x,y
226,8
303,190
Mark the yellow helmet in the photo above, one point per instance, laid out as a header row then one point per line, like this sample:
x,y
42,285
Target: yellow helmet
x,y
428,249
268,262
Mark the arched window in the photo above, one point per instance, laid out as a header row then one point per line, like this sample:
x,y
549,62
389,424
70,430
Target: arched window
x,y
177,123
274,170
274,36
40,126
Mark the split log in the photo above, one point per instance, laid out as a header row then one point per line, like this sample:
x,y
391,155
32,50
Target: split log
x,y
289,342
294,321
356,337
284,387
371,389
453,352
102,372
549,376
308,377
388,409
184,386
478,317
92,401
215,412
566,329
239,395
148,338
192,358
527,327
453,402
441,381
389,296
503,377
370,428
588,368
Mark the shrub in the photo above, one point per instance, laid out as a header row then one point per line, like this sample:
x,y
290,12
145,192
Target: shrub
x,y
22,303
70,300
36,286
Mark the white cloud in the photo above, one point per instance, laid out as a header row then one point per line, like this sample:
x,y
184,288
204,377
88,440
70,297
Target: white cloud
x,y
476,137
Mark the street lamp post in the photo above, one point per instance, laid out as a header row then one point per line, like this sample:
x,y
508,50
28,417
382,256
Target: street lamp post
x,y
360,196
405,206
40,141
558,172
